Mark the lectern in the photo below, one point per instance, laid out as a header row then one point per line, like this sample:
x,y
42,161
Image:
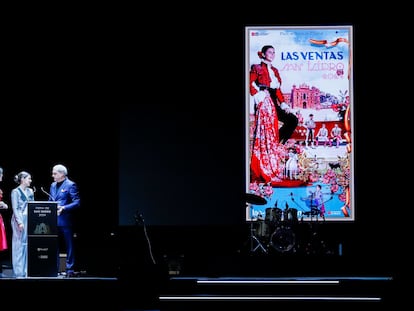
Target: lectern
x,y
42,239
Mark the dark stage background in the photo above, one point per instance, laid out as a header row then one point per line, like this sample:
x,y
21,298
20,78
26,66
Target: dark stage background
x,y
152,123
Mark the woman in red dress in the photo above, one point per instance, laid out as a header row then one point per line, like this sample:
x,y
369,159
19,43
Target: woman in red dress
x,y
269,109
3,238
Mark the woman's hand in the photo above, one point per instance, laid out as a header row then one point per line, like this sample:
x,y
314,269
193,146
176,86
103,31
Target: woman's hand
x,y
3,205
260,96
285,107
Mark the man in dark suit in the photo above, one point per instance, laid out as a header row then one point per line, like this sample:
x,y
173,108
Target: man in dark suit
x,y
65,192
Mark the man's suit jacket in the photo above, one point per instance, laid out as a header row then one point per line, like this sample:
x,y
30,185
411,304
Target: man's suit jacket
x,y
66,195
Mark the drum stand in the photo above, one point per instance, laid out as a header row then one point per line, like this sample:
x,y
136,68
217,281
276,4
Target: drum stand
x,y
255,243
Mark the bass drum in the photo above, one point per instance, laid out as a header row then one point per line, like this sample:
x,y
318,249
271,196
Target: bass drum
x,y
283,239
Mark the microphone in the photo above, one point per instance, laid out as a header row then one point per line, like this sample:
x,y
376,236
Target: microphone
x,y
45,192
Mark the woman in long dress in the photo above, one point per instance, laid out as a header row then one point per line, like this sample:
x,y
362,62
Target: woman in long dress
x,y
265,154
19,199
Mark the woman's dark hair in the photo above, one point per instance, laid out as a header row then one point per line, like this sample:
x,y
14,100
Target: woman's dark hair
x,y
266,47
18,178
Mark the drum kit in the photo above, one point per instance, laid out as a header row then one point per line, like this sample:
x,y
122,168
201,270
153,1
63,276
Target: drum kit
x,y
275,230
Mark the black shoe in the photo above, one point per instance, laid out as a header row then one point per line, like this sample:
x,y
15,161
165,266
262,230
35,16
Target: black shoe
x,y
70,274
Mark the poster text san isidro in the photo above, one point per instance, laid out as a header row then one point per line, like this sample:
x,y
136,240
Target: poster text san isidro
x,y
315,61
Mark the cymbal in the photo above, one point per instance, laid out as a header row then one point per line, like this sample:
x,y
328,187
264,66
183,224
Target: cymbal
x,y
255,199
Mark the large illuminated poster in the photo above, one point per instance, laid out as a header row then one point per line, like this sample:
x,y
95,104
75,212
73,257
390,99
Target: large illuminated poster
x,y
299,125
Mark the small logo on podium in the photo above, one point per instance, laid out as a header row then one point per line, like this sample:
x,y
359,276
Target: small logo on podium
x,y
42,228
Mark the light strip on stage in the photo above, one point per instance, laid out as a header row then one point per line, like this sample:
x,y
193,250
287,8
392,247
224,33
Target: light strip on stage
x,y
265,282
269,298
318,278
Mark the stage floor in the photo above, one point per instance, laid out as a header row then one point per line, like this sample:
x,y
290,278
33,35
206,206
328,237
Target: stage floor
x,y
257,280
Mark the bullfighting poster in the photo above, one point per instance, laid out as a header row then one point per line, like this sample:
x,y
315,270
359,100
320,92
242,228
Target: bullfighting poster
x,y
299,123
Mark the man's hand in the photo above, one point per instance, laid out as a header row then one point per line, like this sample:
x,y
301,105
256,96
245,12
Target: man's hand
x,y
60,209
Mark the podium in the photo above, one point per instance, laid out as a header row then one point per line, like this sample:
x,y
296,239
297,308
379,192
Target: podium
x,y
42,239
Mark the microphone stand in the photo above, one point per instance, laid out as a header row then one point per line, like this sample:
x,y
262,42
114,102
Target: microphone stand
x,y
45,192
139,218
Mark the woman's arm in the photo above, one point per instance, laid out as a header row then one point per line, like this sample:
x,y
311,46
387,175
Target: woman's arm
x,y
15,204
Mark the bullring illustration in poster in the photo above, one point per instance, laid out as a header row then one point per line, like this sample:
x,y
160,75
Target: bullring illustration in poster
x,y
299,125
